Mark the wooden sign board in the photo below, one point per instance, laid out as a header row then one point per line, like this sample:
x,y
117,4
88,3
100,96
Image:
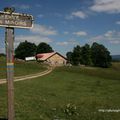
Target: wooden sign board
x,y
16,20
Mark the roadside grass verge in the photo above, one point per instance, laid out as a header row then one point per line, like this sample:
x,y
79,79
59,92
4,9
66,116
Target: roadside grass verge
x,y
66,94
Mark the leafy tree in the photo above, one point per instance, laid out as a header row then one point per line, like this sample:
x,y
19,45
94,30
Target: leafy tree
x,y
86,55
25,49
44,48
94,53
69,57
76,56
100,55
2,55
97,55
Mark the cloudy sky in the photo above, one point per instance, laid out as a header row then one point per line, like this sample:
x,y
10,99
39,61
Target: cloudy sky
x,y
66,23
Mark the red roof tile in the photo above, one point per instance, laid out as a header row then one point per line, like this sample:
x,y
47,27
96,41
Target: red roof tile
x,y
44,56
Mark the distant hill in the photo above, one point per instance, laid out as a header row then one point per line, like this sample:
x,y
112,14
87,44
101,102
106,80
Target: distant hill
x,y
116,57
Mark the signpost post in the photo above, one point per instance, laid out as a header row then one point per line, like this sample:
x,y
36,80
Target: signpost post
x,y
10,71
11,20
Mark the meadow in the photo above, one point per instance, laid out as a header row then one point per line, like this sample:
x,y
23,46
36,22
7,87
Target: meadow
x,y
21,68
68,93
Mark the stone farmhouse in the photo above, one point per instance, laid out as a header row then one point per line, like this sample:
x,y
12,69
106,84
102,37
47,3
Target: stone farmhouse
x,y
53,58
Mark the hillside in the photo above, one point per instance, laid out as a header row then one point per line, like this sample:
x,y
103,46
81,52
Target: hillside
x,y
68,93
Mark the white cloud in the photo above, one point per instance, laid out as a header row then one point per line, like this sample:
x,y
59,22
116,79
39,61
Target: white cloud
x,y
80,33
79,14
39,33
43,30
69,42
96,38
110,36
66,33
109,33
118,22
108,6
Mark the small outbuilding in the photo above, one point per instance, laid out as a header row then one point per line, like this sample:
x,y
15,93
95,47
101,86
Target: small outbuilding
x,y
30,58
53,58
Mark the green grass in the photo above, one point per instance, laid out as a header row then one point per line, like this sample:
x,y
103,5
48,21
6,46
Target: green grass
x,y
21,68
67,94
107,73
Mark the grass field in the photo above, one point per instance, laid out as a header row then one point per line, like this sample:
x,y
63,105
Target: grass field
x,y
21,68
68,93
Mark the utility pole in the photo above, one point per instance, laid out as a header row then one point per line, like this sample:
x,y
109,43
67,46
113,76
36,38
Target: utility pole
x,y
9,36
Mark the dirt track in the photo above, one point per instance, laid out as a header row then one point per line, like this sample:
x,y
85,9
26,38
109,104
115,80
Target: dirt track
x,y
2,81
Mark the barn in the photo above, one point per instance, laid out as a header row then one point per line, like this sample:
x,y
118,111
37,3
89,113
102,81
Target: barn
x,y
53,58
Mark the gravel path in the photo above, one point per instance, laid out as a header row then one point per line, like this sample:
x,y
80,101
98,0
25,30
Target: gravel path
x,y
26,77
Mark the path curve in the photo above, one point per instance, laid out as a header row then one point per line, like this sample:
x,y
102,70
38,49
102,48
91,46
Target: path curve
x,y
31,76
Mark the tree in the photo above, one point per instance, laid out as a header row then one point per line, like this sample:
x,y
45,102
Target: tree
x,y
76,56
69,57
86,55
100,56
44,48
97,55
25,49
2,55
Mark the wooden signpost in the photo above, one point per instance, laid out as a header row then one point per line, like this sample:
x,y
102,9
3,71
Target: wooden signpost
x,y
11,20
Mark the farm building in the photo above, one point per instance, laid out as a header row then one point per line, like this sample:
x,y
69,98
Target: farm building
x,y
30,58
53,58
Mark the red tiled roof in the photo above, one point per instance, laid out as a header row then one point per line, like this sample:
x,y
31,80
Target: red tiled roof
x,y
44,56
